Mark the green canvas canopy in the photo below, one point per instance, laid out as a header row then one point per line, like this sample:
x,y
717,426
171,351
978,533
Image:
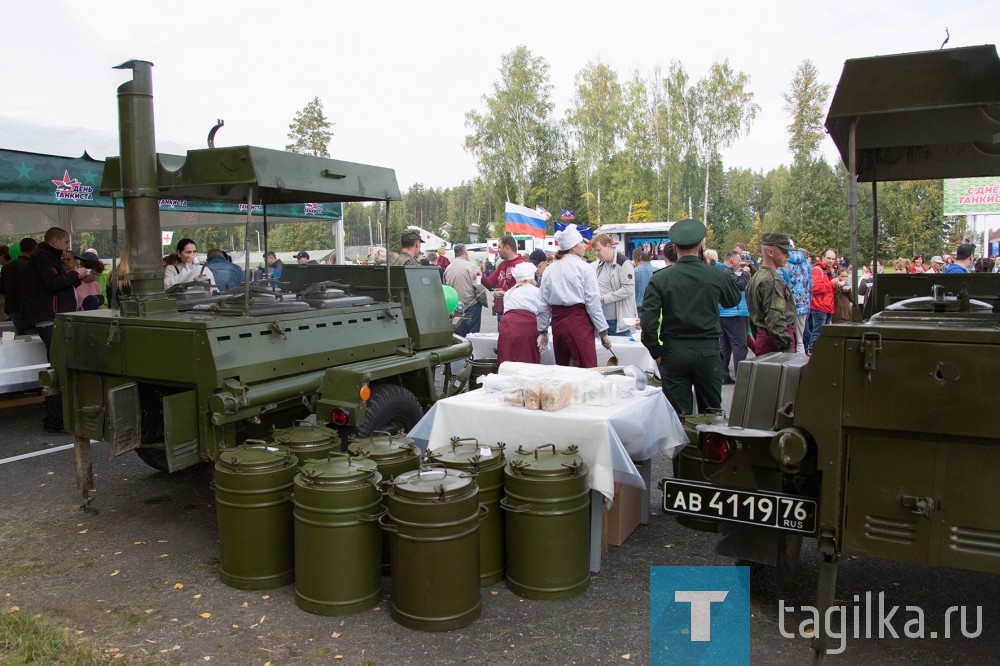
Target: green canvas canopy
x,y
924,115
277,177
40,191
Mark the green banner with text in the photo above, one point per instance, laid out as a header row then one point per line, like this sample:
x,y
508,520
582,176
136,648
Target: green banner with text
x,y
972,196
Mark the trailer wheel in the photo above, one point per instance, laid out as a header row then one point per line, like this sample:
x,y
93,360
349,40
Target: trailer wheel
x,y
154,456
770,580
391,408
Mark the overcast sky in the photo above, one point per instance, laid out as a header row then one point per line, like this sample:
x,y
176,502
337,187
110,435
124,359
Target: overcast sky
x,y
397,77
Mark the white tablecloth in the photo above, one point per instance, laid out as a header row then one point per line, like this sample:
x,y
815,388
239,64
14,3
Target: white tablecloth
x,y
629,352
20,361
609,438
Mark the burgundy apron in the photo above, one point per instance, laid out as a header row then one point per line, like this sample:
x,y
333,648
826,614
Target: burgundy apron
x,y
573,336
763,343
518,337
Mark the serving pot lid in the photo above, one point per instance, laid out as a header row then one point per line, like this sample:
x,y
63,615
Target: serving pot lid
x,y
305,433
547,461
432,482
338,468
384,447
256,458
468,452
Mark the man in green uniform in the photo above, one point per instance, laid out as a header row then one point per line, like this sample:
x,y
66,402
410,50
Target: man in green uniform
x,y
688,295
410,245
772,310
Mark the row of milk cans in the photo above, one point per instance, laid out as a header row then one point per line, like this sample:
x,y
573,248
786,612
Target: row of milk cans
x,y
298,508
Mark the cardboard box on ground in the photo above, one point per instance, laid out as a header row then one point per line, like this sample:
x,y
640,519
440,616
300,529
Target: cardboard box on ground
x,y
623,516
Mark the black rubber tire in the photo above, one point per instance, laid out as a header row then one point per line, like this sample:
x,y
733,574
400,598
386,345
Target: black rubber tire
x,y
391,408
768,581
155,457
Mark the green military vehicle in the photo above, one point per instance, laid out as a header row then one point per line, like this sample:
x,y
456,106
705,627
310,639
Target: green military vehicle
x,y
878,444
180,378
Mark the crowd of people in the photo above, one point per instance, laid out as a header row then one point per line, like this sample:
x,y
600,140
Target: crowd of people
x,y
698,317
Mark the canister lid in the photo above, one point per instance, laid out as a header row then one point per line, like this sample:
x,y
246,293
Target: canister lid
x,y
256,458
432,482
468,453
547,461
305,434
338,469
383,447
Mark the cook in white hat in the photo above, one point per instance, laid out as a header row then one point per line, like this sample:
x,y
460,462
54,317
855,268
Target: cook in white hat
x,y
571,303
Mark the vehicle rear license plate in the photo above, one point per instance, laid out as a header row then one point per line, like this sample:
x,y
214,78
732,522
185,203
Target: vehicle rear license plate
x,y
782,512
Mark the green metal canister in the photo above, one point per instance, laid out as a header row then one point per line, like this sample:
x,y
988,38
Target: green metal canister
x,y
486,462
394,455
253,502
308,441
338,545
481,368
548,523
690,464
433,525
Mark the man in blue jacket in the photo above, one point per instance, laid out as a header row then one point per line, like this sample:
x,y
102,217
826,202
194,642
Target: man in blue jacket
x,y
227,274
733,320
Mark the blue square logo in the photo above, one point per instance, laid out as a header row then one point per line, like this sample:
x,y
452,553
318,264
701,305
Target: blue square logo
x,y
699,615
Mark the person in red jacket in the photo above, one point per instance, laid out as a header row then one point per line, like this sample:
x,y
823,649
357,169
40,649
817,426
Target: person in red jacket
x,y
821,298
502,278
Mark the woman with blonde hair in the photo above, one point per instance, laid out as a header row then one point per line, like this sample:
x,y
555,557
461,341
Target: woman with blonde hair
x,y
119,284
902,265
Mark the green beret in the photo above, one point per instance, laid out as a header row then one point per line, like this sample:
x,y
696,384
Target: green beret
x,y
687,233
410,236
778,240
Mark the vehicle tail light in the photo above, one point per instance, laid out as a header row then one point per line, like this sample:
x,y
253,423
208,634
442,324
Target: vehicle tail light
x,y
716,448
340,416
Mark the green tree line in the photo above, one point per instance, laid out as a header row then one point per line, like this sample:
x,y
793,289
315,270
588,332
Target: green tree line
x,y
638,148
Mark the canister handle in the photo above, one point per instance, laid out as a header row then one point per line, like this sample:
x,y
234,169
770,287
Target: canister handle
x,y
370,517
544,446
484,512
388,527
456,441
507,506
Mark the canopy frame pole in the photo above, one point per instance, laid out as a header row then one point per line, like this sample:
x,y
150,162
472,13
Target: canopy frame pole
x,y
113,301
852,204
246,251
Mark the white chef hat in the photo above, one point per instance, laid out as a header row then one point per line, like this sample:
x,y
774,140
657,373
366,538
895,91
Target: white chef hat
x,y
568,238
523,271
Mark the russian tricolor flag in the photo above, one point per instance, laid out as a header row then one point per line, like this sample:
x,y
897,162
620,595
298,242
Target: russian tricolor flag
x,y
523,220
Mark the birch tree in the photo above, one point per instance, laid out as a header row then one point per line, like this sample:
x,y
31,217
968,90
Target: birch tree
x,y
723,111
804,103
509,136
597,122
